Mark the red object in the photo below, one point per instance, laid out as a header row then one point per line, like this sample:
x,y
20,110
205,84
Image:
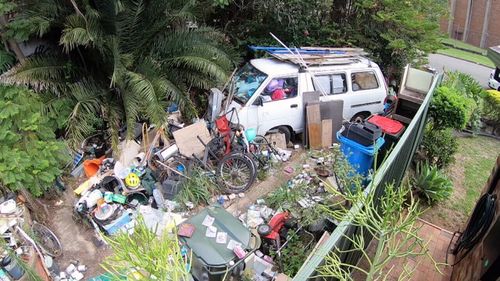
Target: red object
x,y
276,223
222,125
186,230
91,167
387,125
278,94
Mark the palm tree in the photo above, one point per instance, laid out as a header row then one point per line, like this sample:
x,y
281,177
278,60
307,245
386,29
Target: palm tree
x,y
119,60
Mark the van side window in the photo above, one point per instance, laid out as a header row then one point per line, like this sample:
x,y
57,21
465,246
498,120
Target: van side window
x,y
280,89
364,81
332,84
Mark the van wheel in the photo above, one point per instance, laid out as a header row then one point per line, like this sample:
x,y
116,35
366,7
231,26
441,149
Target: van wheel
x,y
285,131
360,117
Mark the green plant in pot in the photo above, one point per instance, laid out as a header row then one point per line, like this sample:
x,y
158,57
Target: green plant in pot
x,y
430,183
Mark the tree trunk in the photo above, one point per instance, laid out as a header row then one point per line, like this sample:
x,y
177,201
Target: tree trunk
x,y
11,43
38,211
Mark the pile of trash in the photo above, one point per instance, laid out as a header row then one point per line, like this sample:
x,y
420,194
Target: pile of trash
x,y
29,247
145,178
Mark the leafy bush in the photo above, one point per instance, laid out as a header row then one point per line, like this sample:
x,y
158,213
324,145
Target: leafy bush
x,y
431,183
492,106
465,84
450,109
469,88
30,155
438,146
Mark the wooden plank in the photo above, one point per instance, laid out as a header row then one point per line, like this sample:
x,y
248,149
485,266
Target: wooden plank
x,y
326,133
333,110
187,141
314,126
307,99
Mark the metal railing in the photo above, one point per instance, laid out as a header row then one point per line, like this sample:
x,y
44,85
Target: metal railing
x,y
392,171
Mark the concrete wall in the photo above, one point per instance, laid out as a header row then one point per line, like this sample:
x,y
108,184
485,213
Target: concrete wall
x,y
476,31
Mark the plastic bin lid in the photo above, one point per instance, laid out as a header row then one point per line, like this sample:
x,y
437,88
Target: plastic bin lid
x,y
388,126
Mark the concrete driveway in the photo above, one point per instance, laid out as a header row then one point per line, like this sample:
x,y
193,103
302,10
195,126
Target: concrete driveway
x,y
477,71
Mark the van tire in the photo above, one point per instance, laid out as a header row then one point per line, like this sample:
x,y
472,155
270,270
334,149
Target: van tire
x,y
359,117
285,131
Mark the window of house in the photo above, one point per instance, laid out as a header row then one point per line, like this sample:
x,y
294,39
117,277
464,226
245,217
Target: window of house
x,y
332,84
280,89
364,81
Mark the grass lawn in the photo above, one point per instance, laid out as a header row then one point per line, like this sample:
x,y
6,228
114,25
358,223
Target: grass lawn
x,y
474,161
462,45
464,55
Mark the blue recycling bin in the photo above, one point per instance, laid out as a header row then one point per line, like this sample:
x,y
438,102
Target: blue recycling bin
x,y
359,156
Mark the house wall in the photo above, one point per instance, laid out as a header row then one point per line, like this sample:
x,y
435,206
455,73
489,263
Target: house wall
x,y
477,16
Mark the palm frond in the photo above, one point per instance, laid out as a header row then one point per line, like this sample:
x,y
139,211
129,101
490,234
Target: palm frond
x,y
86,113
6,60
75,33
39,72
146,90
200,65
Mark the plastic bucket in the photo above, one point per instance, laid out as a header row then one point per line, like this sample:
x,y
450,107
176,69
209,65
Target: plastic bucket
x,y
360,157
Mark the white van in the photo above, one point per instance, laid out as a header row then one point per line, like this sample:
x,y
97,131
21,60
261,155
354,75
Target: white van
x,y
494,81
268,93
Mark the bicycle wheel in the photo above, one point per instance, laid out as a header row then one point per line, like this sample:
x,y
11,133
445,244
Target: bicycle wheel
x,y
236,172
46,239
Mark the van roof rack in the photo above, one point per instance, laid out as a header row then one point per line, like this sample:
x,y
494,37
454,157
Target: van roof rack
x,y
314,55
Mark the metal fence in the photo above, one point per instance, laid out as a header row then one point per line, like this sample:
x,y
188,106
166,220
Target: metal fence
x,y
391,171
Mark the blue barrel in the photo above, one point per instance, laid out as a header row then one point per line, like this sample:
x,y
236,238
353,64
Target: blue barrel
x,y
360,157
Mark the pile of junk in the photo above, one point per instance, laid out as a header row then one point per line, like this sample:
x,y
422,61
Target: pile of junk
x,y
151,169
29,248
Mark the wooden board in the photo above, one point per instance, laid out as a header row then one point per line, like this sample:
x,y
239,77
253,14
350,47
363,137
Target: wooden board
x,y
187,141
326,133
333,110
307,99
314,126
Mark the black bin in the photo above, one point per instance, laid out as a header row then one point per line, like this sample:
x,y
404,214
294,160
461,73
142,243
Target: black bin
x,y
363,133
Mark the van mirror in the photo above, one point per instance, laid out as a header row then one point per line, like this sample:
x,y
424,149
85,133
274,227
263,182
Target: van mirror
x,y
258,101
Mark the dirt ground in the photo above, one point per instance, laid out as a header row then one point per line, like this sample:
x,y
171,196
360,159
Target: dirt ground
x,y
80,243
78,240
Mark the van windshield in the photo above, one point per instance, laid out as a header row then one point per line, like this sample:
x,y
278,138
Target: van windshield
x,y
246,82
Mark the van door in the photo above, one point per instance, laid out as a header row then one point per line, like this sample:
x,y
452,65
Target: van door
x,y
281,105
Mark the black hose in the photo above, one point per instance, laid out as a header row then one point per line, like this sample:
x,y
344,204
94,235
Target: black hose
x,y
478,226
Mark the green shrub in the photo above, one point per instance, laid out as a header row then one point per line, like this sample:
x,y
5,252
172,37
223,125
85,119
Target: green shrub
x,y
465,84
450,109
438,146
470,88
30,155
492,106
198,189
431,184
